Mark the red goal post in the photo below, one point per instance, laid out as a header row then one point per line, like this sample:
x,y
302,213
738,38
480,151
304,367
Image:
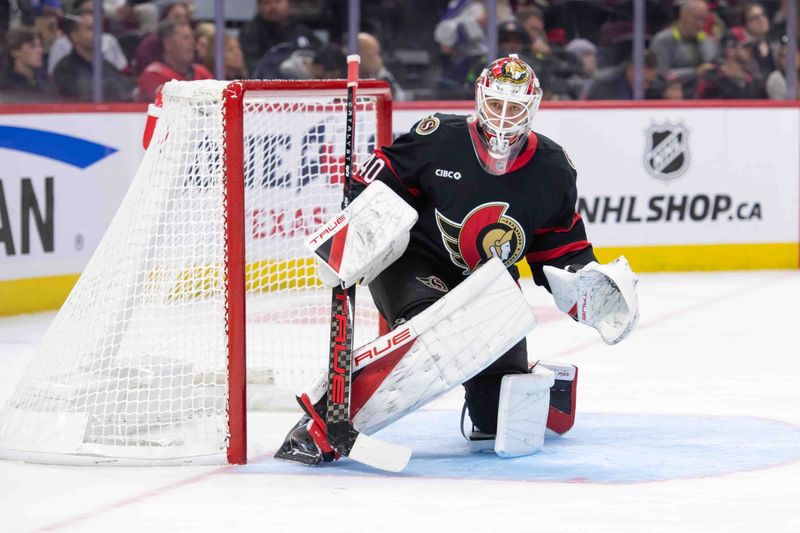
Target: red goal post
x,y
234,150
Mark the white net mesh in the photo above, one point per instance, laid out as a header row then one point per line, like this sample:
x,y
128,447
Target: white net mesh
x,y
134,365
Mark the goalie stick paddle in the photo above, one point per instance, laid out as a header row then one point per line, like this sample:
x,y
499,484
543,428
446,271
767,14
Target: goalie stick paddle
x,y
339,427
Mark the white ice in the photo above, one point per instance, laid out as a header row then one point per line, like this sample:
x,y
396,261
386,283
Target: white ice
x,y
691,424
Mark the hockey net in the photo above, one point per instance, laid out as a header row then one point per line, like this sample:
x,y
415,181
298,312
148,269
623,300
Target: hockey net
x,y
203,261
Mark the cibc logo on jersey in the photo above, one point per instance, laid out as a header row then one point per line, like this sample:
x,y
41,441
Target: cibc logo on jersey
x,y
485,232
453,174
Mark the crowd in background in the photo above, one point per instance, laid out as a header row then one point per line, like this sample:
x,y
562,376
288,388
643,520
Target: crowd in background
x,y
425,49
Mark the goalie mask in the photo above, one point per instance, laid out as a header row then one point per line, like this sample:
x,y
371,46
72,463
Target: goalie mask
x,y
507,95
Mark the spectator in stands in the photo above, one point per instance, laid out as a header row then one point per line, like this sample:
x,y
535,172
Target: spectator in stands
x,y
272,26
776,85
586,54
111,50
554,67
25,73
532,19
731,77
73,74
233,59
671,89
513,39
616,83
325,63
120,16
177,61
204,41
149,50
764,52
684,49
551,69
372,65
329,63
462,42
130,21
46,25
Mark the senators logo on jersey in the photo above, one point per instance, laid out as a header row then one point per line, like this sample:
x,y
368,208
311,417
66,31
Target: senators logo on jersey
x,y
485,232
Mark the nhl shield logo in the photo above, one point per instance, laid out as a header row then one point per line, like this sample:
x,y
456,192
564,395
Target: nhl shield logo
x,y
667,154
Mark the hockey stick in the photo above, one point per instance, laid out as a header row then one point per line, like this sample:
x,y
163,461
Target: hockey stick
x,y
339,427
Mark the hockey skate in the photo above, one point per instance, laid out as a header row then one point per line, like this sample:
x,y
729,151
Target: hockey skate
x,y
307,442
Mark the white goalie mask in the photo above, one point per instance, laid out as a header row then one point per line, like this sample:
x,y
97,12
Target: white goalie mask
x,y
507,95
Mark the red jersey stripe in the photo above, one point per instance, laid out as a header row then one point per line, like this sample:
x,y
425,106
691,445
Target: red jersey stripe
x,y
542,231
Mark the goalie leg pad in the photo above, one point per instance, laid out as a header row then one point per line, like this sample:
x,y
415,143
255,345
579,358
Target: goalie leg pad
x,y
482,393
563,394
450,342
522,414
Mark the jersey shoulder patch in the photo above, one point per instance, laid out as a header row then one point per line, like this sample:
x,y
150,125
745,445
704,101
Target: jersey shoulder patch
x,y
427,125
438,122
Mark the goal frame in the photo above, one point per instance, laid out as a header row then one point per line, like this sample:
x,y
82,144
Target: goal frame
x,y
233,169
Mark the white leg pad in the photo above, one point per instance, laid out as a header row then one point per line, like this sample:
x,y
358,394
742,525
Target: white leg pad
x,y
450,342
522,413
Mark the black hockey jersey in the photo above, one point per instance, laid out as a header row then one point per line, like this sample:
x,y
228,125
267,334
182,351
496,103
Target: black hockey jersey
x,y
467,215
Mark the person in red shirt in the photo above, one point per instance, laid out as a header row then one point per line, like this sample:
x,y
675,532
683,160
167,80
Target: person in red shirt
x,y
177,61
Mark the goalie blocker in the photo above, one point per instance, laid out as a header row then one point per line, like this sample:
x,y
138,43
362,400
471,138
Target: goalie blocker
x,y
364,238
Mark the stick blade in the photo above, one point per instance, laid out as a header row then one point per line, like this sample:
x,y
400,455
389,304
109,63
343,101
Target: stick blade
x,y
379,454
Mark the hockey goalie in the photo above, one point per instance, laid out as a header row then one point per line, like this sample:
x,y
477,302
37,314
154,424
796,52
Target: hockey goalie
x,y
441,217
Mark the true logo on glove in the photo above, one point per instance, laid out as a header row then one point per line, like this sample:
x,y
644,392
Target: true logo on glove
x,y
328,230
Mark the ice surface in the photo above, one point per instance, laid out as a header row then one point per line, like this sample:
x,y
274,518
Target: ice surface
x,y
691,424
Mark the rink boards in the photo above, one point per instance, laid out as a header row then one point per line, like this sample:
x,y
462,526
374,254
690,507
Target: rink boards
x,y
711,187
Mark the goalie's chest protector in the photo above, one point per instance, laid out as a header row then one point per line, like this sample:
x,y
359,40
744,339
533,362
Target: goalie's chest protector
x,y
466,215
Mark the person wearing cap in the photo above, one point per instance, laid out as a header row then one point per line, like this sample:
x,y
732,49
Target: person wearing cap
x,y
732,75
273,26
511,39
684,50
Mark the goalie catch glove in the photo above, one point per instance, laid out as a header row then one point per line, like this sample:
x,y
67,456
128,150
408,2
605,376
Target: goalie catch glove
x,y
601,296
